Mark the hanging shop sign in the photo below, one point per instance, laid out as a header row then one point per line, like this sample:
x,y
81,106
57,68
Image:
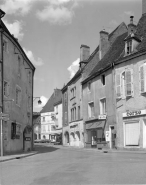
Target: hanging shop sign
x,y
102,116
134,113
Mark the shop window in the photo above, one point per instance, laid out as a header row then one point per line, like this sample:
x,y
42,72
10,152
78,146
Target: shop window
x,y
100,135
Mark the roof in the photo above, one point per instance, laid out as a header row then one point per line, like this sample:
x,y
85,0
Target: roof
x,y
94,57
56,98
2,25
116,51
49,107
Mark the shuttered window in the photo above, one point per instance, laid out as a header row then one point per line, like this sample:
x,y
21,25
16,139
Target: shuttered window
x,y
129,82
118,85
142,78
132,133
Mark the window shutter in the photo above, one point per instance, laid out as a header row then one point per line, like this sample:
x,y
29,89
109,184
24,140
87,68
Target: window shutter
x,y
142,79
129,82
118,85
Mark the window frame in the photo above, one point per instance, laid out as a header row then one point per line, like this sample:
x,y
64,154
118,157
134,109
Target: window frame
x,y
91,110
102,108
103,75
18,101
6,89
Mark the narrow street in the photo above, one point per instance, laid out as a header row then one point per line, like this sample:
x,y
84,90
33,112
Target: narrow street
x,y
62,165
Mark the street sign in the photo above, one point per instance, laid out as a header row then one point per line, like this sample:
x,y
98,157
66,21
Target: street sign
x,y
102,116
4,115
4,118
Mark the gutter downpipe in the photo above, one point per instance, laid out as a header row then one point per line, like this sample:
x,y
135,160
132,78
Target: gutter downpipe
x,y
2,68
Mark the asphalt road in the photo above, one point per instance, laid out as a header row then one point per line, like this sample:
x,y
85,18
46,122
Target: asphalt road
x,y
65,166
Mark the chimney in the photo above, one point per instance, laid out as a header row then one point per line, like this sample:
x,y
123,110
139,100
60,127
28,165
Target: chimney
x,y
143,7
104,44
131,26
84,52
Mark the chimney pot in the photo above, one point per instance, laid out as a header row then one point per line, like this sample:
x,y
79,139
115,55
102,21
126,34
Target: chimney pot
x,y
84,52
131,26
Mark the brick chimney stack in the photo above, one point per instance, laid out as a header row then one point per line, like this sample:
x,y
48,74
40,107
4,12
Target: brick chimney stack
x,y
143,7
131,26
104,43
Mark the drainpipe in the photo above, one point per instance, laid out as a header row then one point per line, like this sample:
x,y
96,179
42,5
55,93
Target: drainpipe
x,y
2,68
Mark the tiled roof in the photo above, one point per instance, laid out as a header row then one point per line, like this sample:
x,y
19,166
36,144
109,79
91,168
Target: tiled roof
x,y
56,98
113,54
49,107
141,32
94,57
116,52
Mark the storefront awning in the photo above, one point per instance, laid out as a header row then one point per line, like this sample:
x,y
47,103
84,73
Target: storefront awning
x,y
97,124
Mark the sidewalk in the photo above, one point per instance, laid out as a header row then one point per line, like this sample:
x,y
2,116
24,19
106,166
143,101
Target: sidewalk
x,y
17,156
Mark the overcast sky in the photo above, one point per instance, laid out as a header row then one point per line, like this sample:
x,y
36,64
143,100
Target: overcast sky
x,y
52,31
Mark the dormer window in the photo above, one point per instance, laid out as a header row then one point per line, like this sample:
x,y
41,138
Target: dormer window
x,y
129,47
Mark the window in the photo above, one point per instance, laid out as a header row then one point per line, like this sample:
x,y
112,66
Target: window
x,y
6,89
129,47
5,45
18,96
73,114
124,84
142,78
103,79
79,116
100,135
89,86
103,106
65,117
56,109
19,65
29,77
43,128
65,99
73,92
53,127
43,119
91,110
13,130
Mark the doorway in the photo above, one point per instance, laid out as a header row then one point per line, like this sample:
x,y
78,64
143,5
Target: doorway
x,y
112,137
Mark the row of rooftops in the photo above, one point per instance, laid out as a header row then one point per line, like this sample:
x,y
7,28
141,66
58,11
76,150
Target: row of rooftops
x,y
116,51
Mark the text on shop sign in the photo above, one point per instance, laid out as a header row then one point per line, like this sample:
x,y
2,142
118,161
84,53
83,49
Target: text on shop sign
x,y
134,113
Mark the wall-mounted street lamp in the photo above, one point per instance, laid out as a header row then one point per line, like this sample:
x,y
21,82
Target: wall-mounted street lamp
x,y
39,101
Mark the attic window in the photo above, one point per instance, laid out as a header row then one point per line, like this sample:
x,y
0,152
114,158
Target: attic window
x,y
129,47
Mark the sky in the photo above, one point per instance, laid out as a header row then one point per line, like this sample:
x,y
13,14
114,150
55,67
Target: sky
x,y
52,31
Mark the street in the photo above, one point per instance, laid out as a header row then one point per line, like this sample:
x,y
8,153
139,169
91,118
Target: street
x,y
65,166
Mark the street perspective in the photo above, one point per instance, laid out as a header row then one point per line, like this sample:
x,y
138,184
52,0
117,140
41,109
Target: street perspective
x,y
72,92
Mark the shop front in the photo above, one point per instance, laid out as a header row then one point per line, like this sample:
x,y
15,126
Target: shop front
x,y
76,134
134,129
95,134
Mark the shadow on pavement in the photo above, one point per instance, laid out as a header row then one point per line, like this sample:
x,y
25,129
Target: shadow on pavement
x,y
44,149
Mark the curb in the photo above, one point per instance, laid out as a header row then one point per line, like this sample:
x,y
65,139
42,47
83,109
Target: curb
x,y
18,157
